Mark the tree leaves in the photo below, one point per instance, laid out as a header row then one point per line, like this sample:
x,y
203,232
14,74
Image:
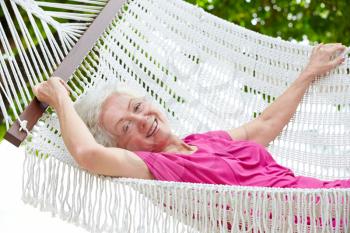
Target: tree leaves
x,y
316,21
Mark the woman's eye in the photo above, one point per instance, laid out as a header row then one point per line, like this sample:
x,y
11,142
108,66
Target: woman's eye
x,y
126,127
137,107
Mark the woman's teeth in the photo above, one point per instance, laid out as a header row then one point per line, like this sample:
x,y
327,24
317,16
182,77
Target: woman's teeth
x,y
153,128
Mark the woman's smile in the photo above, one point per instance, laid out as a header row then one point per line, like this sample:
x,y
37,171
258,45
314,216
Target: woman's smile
x,y
153,129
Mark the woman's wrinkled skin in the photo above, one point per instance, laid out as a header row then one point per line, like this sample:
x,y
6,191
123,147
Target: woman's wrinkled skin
x,y
137,125
142,127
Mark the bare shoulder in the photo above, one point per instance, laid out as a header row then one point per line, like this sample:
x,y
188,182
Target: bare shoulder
x,y
117,162
131,165
238,133
257,130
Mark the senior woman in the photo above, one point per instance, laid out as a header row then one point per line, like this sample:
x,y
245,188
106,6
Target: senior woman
x,y
126,136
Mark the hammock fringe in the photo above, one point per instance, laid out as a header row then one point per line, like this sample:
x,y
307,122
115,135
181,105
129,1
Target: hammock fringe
x,y
204,73
104,204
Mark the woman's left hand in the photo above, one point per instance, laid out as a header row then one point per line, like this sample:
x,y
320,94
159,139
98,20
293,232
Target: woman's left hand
x,y
51,91
324,58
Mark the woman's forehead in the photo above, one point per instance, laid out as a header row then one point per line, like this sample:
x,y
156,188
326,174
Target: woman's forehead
x,y
119,104
119,100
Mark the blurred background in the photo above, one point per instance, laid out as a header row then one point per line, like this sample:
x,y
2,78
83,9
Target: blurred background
x,y
293,20
305,21
299,21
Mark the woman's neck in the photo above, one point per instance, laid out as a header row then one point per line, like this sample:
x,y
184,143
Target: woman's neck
x,y
176,145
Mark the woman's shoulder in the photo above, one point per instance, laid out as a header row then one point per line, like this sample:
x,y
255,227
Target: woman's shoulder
x,y
136,166
222,134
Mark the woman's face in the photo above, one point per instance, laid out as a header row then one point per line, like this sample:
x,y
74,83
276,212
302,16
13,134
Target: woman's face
x,y
134,123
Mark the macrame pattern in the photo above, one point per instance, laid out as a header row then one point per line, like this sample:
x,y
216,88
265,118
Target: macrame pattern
x,y
204,73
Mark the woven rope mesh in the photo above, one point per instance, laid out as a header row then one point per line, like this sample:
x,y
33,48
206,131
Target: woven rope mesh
x,y
30,52
206,74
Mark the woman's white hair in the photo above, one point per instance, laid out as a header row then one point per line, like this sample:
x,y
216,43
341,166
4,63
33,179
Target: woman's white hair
x,y
90,104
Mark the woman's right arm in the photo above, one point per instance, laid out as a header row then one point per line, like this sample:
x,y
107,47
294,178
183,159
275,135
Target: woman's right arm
x,y
266,127
79,141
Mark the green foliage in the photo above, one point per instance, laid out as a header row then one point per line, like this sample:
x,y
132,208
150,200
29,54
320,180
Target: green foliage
x,y
321,21
2,131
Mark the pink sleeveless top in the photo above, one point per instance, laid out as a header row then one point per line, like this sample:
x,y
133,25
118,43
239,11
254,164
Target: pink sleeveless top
x,y
221,160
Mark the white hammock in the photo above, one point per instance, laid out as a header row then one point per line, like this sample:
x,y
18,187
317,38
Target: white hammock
x,y
205,74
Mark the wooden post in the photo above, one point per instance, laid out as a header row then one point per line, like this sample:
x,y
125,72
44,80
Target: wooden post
x,y
70,63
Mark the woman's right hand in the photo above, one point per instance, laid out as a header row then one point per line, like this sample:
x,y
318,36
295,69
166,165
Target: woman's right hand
x,y
324,58
51,90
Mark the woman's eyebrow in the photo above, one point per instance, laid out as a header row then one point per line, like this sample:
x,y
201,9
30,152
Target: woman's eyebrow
x,y
130,103
121,119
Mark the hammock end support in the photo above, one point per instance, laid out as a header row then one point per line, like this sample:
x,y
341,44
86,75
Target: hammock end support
x,y
19,131
16,135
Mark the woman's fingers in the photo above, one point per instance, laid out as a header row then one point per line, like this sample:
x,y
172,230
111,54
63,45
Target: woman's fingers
x,y
336,55
337,61
36,89
333,52
332,44
337,48
325,57
332,48
49,91
65,85
317,47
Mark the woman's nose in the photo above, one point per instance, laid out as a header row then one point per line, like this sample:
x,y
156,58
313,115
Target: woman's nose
x,y
143,121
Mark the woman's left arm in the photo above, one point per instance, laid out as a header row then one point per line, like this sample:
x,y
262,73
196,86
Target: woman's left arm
x,y
271,122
